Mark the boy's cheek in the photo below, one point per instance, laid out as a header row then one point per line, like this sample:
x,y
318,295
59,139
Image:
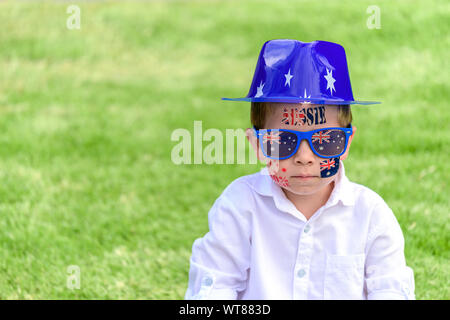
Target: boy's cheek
x,y
278,172
273,166
276,167
282,181
329,167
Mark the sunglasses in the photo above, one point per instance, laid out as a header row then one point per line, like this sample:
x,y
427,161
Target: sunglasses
x,y
281,144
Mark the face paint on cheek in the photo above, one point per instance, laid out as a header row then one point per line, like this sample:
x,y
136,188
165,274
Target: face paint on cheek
x,y
280,180
329,167
273,166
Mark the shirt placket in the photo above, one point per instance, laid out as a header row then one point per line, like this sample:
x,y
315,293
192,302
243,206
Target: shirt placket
x,y
303,262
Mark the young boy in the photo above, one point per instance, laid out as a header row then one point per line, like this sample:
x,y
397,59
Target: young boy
x,y
300,229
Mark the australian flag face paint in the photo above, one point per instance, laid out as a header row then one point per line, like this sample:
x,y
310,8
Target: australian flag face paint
x,y
329,167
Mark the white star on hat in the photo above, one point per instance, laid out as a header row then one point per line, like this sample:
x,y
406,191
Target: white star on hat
x,y
259,92
330,81
306,96
288,78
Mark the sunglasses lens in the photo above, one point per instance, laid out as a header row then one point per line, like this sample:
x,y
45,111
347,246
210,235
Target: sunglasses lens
x,y
278,144
329,142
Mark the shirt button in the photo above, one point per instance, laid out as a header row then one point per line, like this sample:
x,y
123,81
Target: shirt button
x,y
307,228
301,273
207,281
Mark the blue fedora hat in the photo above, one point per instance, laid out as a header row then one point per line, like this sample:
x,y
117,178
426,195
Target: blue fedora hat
x,y
294,71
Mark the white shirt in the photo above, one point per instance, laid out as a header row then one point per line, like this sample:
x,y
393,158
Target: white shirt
x,y
259,246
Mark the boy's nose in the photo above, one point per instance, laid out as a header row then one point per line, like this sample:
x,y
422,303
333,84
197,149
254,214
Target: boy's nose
x,y
304,154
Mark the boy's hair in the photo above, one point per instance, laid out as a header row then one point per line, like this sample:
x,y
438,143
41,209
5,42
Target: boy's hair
x,y
260,110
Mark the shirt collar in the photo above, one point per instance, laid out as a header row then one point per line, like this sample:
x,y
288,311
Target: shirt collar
x,y
342,191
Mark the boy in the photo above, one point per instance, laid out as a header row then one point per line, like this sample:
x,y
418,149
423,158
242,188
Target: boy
x,y
300,229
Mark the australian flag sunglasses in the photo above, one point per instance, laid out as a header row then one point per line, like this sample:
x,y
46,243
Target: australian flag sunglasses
x,y
281,144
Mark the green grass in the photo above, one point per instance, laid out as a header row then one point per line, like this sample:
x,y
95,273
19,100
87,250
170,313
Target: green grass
x,y
86,118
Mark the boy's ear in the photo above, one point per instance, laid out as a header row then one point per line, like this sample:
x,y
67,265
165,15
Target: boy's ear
x,y
250,134
345,155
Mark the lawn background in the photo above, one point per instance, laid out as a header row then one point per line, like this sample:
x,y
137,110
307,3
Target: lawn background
x,y
86,118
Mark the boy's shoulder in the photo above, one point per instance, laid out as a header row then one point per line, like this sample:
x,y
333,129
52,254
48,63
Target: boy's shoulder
x,y
245,186
259,183
370,205
364,195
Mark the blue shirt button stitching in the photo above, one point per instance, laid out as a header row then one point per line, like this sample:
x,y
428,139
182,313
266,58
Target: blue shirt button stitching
x,y
207,281
301,273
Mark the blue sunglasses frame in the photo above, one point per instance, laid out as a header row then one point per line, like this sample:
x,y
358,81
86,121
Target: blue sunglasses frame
x,y
304,135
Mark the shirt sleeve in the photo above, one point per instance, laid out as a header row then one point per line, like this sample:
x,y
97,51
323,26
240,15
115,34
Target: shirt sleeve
x,y
386,275
220,260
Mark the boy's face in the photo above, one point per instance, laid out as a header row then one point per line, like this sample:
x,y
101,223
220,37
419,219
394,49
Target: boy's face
x,y
301,173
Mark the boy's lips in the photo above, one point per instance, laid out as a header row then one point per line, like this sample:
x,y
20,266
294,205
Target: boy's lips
x,y
304,176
